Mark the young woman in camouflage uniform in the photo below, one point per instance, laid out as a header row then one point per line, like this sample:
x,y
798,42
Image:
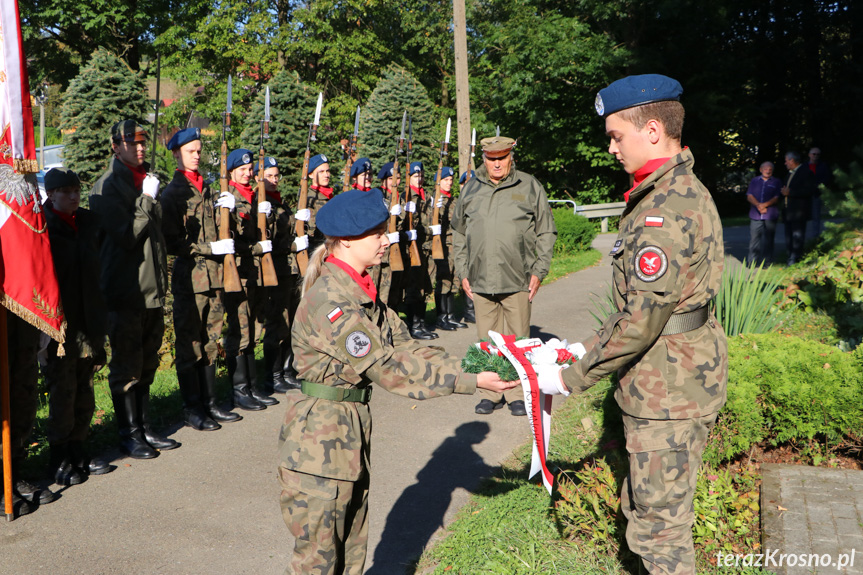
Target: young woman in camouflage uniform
x,y
345,339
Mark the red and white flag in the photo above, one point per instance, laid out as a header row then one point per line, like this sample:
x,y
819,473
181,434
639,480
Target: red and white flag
x,y
28,284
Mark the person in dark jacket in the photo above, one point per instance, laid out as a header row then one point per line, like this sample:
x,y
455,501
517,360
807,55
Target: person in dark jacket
x,y
797,205
134,281
74,233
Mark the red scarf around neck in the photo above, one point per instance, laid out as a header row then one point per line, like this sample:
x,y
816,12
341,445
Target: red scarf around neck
x,y
420,191
245,190
68,218
447,194
364,281
195,178
138,175
356,186
327,192
643,173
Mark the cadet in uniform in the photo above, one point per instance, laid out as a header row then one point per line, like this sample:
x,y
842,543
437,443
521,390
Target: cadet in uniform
x,y
74,235
246,307
344,340
669,352
361,172
189,223
388,282
503,236
134,281
418,278
444,270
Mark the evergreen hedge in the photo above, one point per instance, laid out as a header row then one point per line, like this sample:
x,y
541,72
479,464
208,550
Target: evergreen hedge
x,y
574,233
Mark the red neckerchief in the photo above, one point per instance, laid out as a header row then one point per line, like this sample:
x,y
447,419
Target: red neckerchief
x,y
195,178
356,186
327,192
274,197
643,173
138,175
813,167
245,190
68,218
419,191
447,194
365,281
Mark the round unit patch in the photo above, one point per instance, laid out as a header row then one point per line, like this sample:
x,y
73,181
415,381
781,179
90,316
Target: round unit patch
x,y
358,344
651,264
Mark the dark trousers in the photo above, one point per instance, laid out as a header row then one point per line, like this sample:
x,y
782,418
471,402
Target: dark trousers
x,y
71,402
795,237
23,374
761,235
136,337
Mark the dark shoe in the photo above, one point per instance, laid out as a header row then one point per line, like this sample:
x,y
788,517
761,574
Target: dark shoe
x,y
274,370
289,373
207,380
415,325
131,435
486,406
261,396
61,468
441,312
517,408
238,372
194,415
469,314
449,306
31,493
86,464
155,440
254,387
20,506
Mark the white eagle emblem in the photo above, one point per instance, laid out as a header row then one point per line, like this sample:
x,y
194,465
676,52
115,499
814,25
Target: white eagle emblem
x,y
651,263
18,188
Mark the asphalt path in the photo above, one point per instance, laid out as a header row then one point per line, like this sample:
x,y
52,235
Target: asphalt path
x,y
211,506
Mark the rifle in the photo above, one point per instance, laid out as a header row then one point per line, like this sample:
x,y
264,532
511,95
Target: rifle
x,y
231,279
412,249
268,271
300,227
472,154
396,263
156,122
437,244
350,152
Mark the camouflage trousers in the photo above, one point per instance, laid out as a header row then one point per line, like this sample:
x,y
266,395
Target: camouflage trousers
x,y
388,284
329,520
443,272
198,319
23,345
657,496
245,311
136,337
71,401
278,310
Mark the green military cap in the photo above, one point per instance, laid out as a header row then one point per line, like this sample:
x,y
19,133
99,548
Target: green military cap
x,y
497,144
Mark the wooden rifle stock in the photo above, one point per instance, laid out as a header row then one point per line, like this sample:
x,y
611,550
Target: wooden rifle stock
x,y
437,244
300,226
396,263
412,247
268,271
231,277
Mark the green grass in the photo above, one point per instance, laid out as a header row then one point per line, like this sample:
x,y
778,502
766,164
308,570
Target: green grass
x,y
562,266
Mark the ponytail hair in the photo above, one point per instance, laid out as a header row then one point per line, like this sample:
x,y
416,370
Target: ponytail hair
x,y
316,262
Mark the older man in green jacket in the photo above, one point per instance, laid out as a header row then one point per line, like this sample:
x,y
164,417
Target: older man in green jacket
x,y
503,235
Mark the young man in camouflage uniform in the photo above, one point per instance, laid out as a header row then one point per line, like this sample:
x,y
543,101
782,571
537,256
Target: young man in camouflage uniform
x,y
189,225
417,279
669,352
388,282
134,281
444,270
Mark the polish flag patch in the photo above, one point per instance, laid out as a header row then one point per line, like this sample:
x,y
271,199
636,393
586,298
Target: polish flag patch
x,y
335,314
653,221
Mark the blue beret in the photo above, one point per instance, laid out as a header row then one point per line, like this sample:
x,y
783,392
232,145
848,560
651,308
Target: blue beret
x,y
635,91
184,137
416,167
386,171
352,213
445,172
316,162
60,178
238,158
269,162
463,177
360,166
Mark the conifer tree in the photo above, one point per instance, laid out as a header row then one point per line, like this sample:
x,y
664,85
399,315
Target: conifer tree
x,y
103,93
380,124
292,109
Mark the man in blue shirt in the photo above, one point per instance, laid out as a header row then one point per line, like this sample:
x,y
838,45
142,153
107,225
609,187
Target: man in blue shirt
x,y
763,193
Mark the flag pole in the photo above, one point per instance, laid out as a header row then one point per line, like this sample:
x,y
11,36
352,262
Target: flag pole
x,y
7,433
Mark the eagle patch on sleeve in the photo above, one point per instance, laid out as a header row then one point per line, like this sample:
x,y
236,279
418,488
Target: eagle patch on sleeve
x,y
358,344
651,263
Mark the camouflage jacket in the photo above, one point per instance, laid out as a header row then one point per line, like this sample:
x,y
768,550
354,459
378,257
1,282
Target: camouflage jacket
x,y
134,261
189,225
502,234
314,202
668,259
342,338
282,235
244,225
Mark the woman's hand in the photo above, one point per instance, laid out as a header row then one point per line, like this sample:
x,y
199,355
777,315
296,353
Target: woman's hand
x,y
491,381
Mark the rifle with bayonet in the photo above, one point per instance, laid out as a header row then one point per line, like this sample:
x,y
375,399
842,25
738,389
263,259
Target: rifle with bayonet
x,y
156,121
412,247
350,152
268,271
472,154
396,263
300,226
437,244
231,277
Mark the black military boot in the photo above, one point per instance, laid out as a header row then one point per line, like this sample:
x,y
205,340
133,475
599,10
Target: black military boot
x,y
155,440
415,325
60,466
20,506
193,409
421,318
449,306
24,489
257,389
290,374
207,381
469,314
84,463
131,435
274,378
442,316
238,372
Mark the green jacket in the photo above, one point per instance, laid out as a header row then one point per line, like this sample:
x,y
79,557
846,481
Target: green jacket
x,y
502,234
134,260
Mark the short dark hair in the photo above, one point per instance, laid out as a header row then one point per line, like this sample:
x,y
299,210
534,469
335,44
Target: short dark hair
x,y
669,113
792,155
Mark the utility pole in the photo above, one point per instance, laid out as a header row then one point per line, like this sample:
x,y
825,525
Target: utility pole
x,y
462,88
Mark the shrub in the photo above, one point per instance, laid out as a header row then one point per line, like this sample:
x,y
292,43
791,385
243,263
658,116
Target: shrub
x,y
574,233
748,300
